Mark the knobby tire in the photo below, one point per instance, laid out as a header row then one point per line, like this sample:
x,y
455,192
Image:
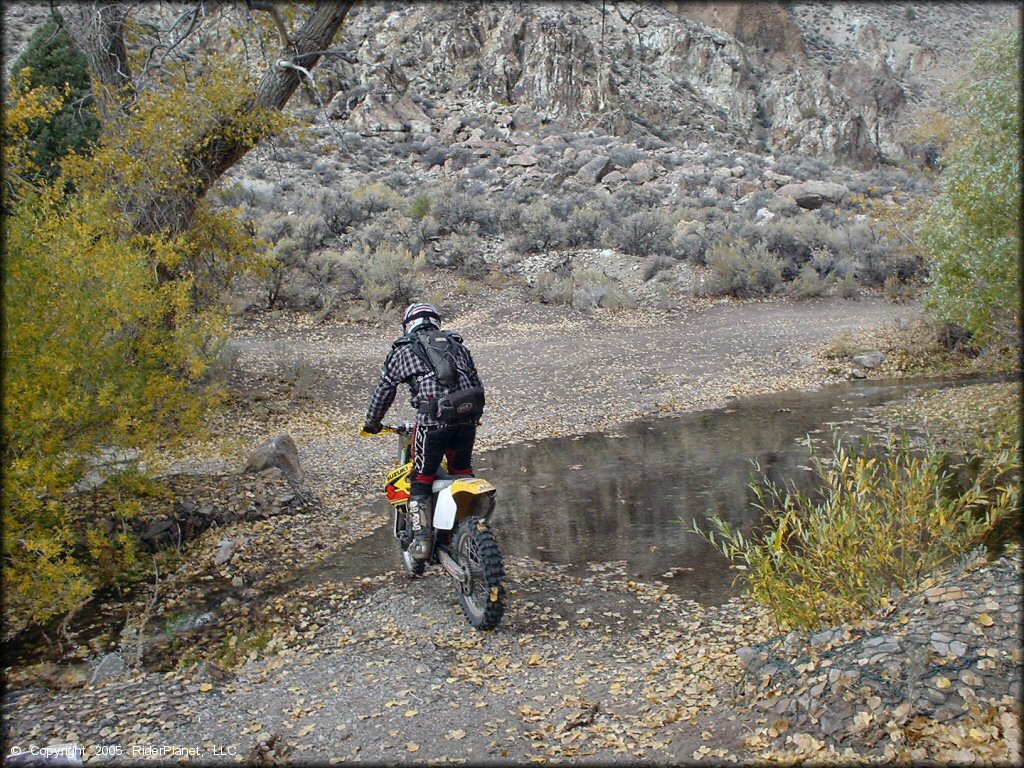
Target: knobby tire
x,y
476,550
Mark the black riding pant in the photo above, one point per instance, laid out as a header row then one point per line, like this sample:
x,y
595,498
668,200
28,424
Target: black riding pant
x,y
430,444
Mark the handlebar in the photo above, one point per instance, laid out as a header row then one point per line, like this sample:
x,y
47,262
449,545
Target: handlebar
x,y
405,428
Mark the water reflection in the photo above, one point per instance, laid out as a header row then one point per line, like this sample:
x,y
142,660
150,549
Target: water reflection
x,y
633,494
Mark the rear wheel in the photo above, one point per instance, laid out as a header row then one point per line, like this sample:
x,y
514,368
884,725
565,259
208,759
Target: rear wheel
x,y
483,595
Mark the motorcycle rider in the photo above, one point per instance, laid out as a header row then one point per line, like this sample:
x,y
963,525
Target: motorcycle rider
x,y
433,438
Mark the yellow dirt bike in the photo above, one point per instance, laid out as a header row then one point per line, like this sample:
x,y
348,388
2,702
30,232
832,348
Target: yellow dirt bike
x,y
463,542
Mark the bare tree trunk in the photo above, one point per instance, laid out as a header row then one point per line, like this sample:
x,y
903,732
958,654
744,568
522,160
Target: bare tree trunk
x,y
98,29
274,89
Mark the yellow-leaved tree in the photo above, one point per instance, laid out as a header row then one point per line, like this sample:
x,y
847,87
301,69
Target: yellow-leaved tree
x,y
111,271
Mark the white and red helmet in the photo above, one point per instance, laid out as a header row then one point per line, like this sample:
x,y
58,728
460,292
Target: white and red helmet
x,y
418,315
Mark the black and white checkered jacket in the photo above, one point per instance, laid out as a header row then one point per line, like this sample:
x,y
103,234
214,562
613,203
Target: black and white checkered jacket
x,y
404,365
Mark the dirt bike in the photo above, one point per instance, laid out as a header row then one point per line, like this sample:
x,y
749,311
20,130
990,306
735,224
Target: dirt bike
x,y
463,542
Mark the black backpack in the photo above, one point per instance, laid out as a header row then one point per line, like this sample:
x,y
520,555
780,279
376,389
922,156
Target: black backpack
x,y
438,350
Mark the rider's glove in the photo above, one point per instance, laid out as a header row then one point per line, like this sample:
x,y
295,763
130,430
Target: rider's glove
x,y
373,429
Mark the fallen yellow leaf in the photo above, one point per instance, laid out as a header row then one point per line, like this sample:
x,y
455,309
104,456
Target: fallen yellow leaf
x,y
412,746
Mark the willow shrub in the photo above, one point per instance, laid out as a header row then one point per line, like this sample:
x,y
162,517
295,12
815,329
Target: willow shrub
x,y
101,349
972,230
877,523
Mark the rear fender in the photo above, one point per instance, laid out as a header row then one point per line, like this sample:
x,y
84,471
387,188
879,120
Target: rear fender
x,y
472,497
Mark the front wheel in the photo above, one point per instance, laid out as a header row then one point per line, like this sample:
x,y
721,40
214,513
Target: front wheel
x,y
482,597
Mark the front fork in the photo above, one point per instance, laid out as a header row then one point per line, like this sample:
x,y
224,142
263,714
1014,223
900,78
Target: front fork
x,y
402,529
399,521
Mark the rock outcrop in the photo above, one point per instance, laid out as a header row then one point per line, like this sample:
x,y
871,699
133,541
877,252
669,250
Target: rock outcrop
x,y
813,194
833,82
764,26
836,81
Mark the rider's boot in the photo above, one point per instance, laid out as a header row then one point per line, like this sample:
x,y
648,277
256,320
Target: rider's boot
x,y
419,517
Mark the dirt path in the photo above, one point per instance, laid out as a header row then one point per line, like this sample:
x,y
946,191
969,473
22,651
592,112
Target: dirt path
x,y
381,669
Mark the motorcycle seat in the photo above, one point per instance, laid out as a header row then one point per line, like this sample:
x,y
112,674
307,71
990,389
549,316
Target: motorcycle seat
x,y
442,480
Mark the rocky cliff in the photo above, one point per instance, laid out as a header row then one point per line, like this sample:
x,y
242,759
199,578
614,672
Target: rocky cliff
x,y
836,81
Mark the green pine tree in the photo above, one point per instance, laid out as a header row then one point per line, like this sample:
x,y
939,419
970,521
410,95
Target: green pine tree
x,y
54,62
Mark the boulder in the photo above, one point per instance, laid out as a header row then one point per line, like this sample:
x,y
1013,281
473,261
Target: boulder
x,y
748,656
613,178
744,188
869,360
225,551
594,170
779,179
158,533
640,172
525,118
813,194
524,160
109,666
380,113
278,452
345,101
450,129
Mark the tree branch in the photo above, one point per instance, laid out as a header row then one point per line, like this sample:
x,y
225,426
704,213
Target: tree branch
x,y
282,33
213,154
193,18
